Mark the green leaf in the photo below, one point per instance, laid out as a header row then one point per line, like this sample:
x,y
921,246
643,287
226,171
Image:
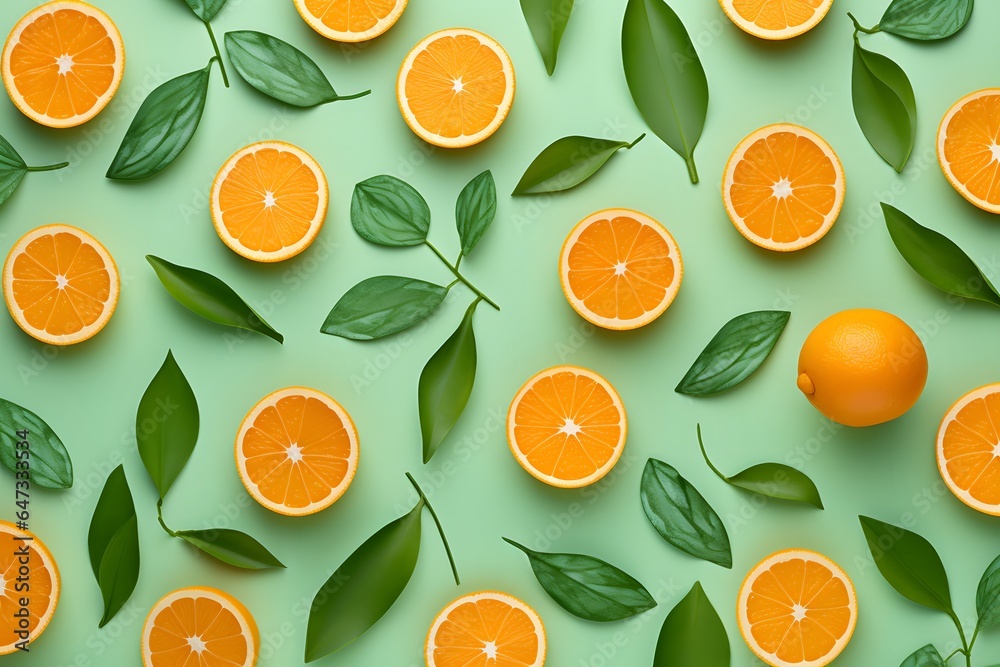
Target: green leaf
x,y
774,480
12,170
927,656
937,259
364,587
205,9
588,587
207,296
682,516
693,634
232,547
547,21
884,105
119,570
566,163
446,384
665,76
279,70
988,596
475,209
909,563
388,211
166,425
381,306
162,128
51,466
114,509
734,353
926,19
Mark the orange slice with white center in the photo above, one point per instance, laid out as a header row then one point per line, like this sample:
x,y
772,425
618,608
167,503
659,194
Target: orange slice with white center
x,y
24,555
776,19
968,449
347,21
968,148
486,629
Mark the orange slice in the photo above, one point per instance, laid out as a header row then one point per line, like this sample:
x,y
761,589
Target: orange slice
x,y
199,627
776,19
968,148
783,187
269,201
486,629
63,62
567,426
60,284
39,571
968,449
620,269
456,87
797,608
297,451
346,21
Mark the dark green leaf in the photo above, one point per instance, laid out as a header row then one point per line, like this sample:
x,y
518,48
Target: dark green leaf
x,y
114,509
12,170
166,425
909,563
547,20
568,162
475,210
162,128
665,76
205,9
682,516
364,587
205,295
381,306
693,634
927,656
232,547
926,19
119,570
588,587
734,353
388,211
51,466
884,105
988,596
446,384
937,259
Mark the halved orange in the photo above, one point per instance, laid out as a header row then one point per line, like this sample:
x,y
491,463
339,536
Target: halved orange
x,y
60,284
346,21
297,451
968,148
566,426
23,555
776,19
783,187
797,608
968,449
63,62
269,201
487,629
620,269
200,627
456,87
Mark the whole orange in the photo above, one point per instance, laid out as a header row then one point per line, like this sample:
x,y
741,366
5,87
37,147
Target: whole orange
x,y
862,367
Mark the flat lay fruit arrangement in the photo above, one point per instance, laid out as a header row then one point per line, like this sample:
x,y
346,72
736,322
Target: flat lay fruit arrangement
x,y
499,334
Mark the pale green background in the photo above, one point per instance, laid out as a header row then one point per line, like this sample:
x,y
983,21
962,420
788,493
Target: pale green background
x,y
89,393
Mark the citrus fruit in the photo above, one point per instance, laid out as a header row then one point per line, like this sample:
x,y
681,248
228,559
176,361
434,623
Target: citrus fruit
x,y
60,284
63,62
776,19
346,21
862,367
456,87
486,629
783,187
620,269
968,148
297,451
797,608
39,572
968,449
566,426
269,201
199,626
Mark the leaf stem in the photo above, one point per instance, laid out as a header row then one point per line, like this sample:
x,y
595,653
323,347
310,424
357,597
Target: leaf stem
x,y
341,98
859,28
437,522
632,145
966,649
701,443
692,168
159,516
218,53
952,655
454,269
48,167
